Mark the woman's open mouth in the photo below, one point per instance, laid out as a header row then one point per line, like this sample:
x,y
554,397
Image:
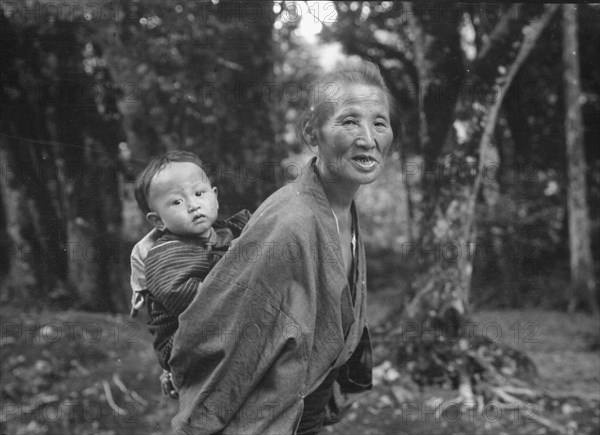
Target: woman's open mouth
x,y
364,162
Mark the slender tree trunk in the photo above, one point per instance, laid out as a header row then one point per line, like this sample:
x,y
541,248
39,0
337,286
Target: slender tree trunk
x,y
583,284
419,50
245,64
21,278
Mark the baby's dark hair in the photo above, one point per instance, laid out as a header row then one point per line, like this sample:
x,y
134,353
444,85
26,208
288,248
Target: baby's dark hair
x,y
143,181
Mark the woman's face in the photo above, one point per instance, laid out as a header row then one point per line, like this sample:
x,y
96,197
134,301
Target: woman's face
x,y
355,137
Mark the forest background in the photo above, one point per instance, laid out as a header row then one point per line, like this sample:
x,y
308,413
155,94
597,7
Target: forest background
x,y
490,200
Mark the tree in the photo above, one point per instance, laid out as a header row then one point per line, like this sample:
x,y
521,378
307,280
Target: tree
x,y
467,154
583,283
202,75
192,75
59,145
460,159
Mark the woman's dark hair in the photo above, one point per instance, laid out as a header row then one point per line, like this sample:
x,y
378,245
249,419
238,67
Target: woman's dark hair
x,y
143,181
326,90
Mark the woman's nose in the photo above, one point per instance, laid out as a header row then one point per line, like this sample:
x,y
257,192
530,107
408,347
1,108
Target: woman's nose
x,y
366,139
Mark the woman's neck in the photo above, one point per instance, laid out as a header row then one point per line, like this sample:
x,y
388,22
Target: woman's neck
x,y
339,194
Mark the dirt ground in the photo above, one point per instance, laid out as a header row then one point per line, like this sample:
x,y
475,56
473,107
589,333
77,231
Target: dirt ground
x,y
81,373
568,364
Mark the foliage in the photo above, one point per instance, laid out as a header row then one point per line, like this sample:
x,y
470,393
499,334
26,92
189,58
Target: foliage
x,y
201,76
488,55
528,173
60,136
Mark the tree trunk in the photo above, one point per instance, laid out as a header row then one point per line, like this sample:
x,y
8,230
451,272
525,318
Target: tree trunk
x,y
35,261
583,284
221,109
461,172
440,305
60,134
419,50
244,68
21,279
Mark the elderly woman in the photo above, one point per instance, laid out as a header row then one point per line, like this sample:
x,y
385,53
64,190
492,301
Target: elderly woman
x,y
276,341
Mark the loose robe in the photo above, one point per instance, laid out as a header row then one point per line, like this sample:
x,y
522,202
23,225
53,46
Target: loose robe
x,y
271,320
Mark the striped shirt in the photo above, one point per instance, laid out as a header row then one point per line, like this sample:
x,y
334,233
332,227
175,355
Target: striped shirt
x,y
174,268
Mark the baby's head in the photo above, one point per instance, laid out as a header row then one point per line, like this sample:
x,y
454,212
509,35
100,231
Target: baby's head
x,y
175,194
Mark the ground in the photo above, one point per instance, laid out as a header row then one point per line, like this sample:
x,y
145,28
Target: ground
x,y
81,373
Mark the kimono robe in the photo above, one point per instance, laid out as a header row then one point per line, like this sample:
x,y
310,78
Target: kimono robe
x,y
271,320
174,270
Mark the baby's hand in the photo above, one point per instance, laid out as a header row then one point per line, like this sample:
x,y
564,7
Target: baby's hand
x,y
167,386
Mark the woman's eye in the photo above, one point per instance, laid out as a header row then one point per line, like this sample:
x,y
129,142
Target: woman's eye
x,y
350,121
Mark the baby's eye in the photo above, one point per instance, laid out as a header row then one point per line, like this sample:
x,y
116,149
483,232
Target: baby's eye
x,y
199,193
177,202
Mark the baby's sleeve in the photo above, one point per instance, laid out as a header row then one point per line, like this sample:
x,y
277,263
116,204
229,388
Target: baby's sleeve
x,y
137,279
238,221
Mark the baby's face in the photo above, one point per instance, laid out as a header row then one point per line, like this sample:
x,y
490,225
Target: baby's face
x,y
182,200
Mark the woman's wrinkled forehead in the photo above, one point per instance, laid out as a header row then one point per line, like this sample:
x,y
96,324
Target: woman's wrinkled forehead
x,y
336,94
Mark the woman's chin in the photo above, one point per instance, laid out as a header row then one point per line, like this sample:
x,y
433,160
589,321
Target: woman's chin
x,y
369,177
370,180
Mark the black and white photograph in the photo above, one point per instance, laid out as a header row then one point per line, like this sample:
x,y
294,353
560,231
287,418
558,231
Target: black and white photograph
x,y
299,217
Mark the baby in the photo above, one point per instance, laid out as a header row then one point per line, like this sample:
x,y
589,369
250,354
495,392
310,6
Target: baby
x,y
169,264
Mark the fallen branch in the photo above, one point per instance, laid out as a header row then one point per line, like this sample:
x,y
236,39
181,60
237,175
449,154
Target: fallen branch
x,y
109,398
524,409
521,391
119,383
139,399
133,394
465,390
585,397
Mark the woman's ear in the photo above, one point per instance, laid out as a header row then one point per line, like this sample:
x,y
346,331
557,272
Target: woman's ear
x,y
310,138
155,221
